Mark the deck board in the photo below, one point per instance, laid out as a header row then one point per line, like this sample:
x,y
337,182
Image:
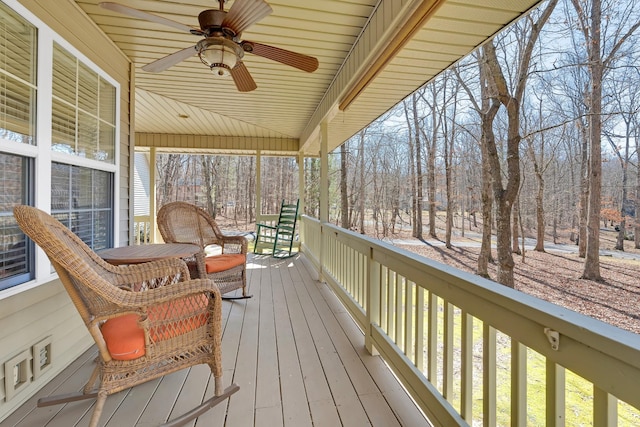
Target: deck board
x,y
296,354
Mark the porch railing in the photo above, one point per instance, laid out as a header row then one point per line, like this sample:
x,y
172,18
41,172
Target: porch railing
x,y
471,351
142,232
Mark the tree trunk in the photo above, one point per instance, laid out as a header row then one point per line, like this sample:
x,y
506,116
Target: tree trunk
x,y
375,206
540,223
636,228
584,198
344,197
489,111
418,151
251,190
621,233
415,231
515,230
626,203
448,161
431,176
208,181
592,260
622,230
361,204
505,196
487,201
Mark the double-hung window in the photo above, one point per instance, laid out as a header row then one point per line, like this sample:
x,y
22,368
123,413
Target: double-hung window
x,y
18,42
83,125
58,154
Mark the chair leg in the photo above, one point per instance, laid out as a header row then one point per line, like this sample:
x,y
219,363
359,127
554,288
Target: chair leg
x,y
244,289
201,409
93,379
97,411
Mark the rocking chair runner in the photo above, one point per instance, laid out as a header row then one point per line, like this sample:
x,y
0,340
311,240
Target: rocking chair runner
x,y
167,324
181,222
279,237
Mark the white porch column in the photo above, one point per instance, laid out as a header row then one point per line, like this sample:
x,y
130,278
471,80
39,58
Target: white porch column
x,y
324,172
258,186
152,195
301,182
324,191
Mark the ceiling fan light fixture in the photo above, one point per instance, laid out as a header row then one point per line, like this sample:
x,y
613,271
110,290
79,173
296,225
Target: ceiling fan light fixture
x,y
219,54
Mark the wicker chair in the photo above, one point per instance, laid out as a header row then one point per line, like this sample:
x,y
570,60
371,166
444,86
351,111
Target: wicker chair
x,y
181,222
147,320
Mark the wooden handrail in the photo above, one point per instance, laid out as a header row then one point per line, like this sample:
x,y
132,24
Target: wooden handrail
x,y
424,318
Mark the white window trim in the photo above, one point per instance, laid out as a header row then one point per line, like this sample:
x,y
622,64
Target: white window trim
x,y
42,151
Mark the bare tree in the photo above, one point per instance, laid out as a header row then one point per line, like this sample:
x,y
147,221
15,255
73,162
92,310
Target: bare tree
x,y
537,149
433,123
589,15
361,201
487,110
636,228
209,168
412,140
449,144
169,173
344,196
505,194
626,101
312,187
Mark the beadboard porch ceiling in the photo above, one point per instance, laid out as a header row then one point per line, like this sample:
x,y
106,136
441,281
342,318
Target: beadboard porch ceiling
x,y
350,38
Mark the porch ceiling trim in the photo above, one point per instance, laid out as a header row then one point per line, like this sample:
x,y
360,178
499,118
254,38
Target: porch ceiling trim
x,y
217,144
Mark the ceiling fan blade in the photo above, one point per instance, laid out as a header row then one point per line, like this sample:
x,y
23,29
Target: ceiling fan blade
x,y
241,77
170,60
126,10
244,13
287,57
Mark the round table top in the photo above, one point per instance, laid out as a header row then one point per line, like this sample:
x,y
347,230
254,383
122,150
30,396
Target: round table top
x,y
137,254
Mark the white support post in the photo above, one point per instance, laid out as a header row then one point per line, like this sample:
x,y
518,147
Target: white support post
x,y
153,160
258,186
324,172
301,191
324,190
301,182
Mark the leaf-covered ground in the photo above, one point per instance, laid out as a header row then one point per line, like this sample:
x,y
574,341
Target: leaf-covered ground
x,y
555,277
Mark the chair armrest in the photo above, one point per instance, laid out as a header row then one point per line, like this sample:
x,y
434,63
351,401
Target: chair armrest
x,y
170,291
238,244
271,227
151,274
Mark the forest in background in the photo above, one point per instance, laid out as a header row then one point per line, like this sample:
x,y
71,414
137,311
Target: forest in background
x,y
535,132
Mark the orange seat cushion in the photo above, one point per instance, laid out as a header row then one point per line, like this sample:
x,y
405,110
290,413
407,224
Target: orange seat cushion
x,y
218,263
125,338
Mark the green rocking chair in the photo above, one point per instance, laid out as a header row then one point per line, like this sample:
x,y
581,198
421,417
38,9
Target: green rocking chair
x,y
278,238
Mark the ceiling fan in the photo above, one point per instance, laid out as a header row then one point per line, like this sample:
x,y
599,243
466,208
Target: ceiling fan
x,y
222,49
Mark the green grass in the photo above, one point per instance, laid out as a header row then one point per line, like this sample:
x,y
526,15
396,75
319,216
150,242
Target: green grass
x,y
578,391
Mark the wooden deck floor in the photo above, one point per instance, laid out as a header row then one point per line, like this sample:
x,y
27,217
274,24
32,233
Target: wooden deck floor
x,y
296,354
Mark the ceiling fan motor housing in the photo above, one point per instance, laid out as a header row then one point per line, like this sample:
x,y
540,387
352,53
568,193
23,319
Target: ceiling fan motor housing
x,y
211,21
